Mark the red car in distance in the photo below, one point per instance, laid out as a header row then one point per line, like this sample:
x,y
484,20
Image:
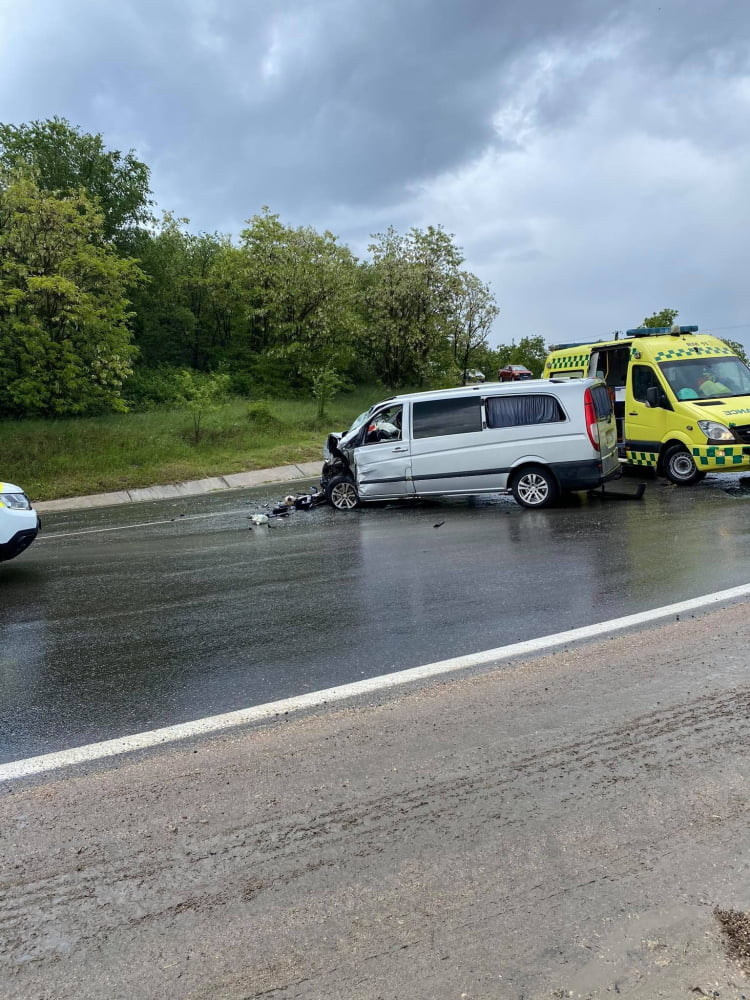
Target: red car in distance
x,y
513,373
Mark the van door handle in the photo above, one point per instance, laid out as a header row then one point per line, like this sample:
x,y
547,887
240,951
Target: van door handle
x,y
399,449
633,413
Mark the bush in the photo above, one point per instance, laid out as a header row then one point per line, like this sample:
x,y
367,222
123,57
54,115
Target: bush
x,y
147,388
261,419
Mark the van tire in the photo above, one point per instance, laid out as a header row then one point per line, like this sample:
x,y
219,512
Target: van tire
x,y
535,487
679,467
342,493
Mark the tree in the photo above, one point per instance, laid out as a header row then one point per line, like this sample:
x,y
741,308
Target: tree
x,y
186,312
410,288
738,349
64,159
473,310
529,351
300,287
65,346
664,318
201,394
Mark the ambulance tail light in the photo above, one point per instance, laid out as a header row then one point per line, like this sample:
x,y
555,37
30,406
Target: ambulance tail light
x,y
592,424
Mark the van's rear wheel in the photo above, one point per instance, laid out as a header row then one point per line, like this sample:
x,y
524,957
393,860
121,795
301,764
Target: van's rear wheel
x,y
534,486
342,493
680,468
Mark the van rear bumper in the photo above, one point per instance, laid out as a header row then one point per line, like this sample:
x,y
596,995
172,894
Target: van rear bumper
x,y
582,475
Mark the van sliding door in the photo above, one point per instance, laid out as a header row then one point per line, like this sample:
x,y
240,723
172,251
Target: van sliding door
x,y
448,447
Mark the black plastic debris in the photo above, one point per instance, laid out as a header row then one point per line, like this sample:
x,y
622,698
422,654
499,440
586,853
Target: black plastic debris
x,y
299,501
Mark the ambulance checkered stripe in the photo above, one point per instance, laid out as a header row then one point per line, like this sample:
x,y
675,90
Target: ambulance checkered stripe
x,y
641,458
720,455
706,457
570,361
693,352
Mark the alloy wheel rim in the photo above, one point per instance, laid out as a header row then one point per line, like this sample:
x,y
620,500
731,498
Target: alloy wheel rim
x,y
533,488
344,496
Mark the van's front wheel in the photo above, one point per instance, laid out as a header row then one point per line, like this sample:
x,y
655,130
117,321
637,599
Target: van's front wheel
x,y
534,487
342,493
679,467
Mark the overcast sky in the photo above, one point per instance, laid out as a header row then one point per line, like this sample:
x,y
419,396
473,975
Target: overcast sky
x,y
592,159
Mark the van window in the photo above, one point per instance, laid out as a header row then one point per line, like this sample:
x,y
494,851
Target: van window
x,y
644,378
602,401
514,411
461,415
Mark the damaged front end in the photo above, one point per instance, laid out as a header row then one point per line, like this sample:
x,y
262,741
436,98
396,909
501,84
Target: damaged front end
x,y
337,477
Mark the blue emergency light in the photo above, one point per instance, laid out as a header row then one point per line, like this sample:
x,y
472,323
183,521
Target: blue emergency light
x,y
660,331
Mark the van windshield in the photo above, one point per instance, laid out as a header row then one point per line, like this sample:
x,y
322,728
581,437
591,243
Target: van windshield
x,y
707,378
360,420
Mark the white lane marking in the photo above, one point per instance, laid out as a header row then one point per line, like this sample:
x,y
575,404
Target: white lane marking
x,y
142,524
287,706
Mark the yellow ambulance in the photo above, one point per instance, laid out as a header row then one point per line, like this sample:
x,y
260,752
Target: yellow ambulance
x,y
682,399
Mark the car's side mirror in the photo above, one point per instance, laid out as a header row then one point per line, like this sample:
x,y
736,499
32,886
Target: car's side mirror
x,y
656,397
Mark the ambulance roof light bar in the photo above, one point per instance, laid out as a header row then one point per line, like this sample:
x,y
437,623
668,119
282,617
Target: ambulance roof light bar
x,y
575,343
660,331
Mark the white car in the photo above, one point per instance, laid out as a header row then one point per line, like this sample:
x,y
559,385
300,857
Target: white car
x,y
19,522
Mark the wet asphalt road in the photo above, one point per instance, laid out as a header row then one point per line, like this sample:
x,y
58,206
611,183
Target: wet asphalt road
x,y
131,618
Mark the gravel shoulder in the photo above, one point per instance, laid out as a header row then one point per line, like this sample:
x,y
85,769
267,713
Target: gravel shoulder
x,y
563,826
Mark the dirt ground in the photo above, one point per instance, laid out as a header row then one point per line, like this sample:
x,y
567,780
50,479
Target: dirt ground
x,y
571,826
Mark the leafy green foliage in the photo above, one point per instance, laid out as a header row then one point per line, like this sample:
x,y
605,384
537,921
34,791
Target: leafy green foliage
x,y
261,418
664,318
284,311
326,382
738,349
201,394
415,298
473,310
65,347
529,351
63,160
301,288
149,388
186,311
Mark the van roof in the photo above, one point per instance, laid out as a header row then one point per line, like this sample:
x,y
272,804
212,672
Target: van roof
x,y
493,389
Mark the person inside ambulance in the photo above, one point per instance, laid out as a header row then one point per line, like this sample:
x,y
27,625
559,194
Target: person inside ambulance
x,y
709,386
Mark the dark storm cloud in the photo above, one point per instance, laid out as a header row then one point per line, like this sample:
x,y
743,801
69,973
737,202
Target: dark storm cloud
x,y
595,150
289,103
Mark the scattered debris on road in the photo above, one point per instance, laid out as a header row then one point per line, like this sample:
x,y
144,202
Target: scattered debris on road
x,y
300,501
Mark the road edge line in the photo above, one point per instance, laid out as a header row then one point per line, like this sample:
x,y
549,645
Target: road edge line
x,y
287,706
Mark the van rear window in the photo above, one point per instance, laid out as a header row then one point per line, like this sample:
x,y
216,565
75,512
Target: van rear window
x,y
602,401
515,411
462,415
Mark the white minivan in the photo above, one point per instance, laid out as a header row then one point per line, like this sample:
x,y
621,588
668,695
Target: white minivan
x,y
19,522
535,439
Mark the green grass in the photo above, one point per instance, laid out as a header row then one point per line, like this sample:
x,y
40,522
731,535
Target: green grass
x,y
60,458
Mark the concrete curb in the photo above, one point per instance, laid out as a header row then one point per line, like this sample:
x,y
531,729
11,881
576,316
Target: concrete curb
x,y
237,480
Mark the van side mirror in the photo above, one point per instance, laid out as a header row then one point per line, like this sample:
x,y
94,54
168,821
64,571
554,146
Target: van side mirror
x,y
656,397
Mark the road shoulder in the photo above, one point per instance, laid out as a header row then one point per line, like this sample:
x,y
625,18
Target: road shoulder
x,y
564,825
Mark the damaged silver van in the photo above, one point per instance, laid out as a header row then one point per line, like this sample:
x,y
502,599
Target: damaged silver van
x,y
535,439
